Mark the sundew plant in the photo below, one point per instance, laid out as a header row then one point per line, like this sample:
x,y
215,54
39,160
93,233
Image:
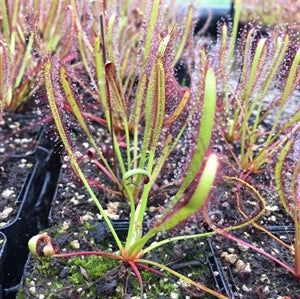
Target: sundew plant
x,y
121,77
17,68
257,71
258,88
22,24
258,118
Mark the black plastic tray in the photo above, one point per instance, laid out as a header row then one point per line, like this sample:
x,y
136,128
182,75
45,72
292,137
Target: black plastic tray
x,y
35,199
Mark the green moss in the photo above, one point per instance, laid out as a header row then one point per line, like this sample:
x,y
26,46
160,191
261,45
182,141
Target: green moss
x,y
95,266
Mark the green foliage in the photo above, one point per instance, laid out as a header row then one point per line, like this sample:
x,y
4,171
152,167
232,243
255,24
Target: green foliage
x,y
266,74
271,13
94,266
25,26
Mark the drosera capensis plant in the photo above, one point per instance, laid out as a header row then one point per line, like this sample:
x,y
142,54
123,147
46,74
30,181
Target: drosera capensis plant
x,y
256,128
253,116
287,178
154,124
16,60
134,249
257,89
23,24
258,78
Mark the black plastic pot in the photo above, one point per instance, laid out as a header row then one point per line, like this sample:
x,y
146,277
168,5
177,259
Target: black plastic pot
x,y
121,227
34,199
224,282
3,250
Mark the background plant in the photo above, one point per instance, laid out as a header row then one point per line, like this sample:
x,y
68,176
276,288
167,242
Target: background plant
x,y
24,25
255,91
272,13
287,172
16,63
258,85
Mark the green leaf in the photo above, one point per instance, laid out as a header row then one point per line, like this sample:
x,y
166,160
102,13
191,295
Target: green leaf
x,y
154,112
278,178
198,198
205,131
81,120
150,30
188,29
154,116
195,203
25,61
55,111
100,71
291,82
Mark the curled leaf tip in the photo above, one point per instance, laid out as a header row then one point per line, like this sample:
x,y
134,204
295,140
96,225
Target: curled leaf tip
x,y
42,245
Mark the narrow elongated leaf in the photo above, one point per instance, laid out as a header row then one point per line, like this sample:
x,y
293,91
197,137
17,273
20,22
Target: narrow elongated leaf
x,y
198,198
154,116
111,37
117,105
5,22
50,19
150,104
280,50
150,31
182,104
55,111
160,105
100,71
188,29
234,29
80,118
205,131
255,66
291,82
117,94
278,178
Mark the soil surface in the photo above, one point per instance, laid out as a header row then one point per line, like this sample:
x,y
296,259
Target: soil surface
x,y
17,137
10,187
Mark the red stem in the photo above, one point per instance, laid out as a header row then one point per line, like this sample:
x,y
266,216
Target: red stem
x,y
103,169
150,269
138,275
